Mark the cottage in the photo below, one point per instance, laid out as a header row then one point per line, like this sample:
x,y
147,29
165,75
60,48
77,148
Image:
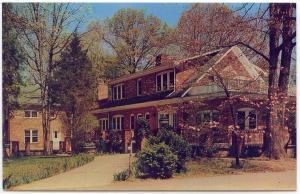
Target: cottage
x,y
188,95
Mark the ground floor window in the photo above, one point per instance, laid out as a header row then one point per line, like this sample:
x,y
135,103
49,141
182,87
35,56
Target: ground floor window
x,y
166,119
103,124
31,135
207,116
118,122
246,118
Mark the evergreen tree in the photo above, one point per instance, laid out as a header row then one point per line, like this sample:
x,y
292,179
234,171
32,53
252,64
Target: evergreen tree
x,y
74,88
11,60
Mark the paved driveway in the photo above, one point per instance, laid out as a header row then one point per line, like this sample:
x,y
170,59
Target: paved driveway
x,y
95,174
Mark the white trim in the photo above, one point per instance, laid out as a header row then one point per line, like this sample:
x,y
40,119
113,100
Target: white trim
x,y
31,136
147,104
246,121
147,113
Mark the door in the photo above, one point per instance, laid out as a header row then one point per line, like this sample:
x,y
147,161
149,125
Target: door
x,y
56,139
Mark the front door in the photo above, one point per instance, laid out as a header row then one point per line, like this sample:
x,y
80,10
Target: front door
x,y
56,139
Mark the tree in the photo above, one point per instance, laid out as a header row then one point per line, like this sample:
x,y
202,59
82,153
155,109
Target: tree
x,y
205,27
43,30
74,87
12,59
135,38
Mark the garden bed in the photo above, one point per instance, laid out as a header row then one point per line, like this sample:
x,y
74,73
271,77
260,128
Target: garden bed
x,y
28,169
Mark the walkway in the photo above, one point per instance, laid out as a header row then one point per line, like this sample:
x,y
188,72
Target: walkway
x,y
92,175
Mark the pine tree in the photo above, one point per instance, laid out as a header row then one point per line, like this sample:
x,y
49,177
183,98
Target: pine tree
x,y
74,88
12,62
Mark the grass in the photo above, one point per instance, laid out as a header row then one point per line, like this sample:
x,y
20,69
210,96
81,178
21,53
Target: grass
x,y
28,169
223,166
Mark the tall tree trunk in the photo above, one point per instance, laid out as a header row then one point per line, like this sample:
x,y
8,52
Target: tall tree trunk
x,y
283,82
271,125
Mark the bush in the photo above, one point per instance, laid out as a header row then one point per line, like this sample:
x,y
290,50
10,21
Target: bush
x,y
122,176
177,144
156,161
142,130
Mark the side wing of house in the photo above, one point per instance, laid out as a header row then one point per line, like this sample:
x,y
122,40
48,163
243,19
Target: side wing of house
x,y
232,71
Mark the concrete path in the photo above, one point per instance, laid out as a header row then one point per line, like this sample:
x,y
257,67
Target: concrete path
x,y
246,181
95,174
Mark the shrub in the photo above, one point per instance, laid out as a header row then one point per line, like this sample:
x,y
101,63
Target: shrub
x,y
156,161
177,144
122,176
141,130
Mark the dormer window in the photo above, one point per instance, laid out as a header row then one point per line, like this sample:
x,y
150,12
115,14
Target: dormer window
x,y
118,92
30,113
139,87
165,81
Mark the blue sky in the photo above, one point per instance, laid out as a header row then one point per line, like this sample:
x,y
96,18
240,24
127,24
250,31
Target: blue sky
x,y
167,12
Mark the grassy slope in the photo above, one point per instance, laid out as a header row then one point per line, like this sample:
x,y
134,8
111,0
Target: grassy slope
x,y
28,169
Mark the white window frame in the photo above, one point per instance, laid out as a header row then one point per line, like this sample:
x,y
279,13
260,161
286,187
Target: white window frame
x,y
31,136
140,115
37,113
104,124
247,111
117,94
118,118
171,122
138,92
210,114
162,80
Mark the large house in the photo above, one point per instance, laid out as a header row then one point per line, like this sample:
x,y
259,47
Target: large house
x,y
188,93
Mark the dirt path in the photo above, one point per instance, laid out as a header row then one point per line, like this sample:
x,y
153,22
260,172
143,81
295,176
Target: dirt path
x,y
247,181
92,175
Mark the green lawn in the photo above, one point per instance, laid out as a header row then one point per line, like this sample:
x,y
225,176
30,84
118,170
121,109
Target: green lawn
x,y
221,166
28,169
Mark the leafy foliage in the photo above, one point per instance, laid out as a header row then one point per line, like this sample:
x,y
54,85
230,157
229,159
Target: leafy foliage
x,y
156,161
177,144
26,170
135,38
141,131
122,176
114,143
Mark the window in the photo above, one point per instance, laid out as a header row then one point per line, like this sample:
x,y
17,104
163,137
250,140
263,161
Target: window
x,y
147,117
246,118
30,113
118,122
139,87
139,116
118,92
55,134
166,119
165,81
104,124
132,122
207,116
31,135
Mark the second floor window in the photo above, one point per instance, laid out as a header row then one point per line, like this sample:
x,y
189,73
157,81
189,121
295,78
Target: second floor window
x,y
118,92
139,87
30,113
165,81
